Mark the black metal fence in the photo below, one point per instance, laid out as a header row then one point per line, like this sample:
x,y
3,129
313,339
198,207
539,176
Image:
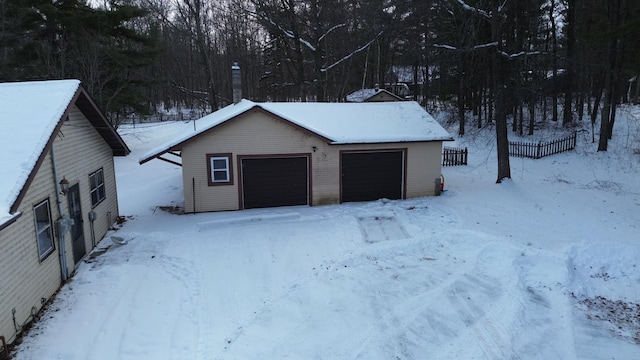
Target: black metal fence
x,y
542,149
181,116
454,156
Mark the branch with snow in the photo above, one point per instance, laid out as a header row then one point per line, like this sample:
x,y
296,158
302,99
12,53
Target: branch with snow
x,y
347,57
474,9
521,53
482,46
476,47
285,32
488,45
502,6
449,47
290,34
330,31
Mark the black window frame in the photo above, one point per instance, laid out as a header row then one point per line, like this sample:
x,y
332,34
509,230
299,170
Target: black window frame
x,y
97,190
46,230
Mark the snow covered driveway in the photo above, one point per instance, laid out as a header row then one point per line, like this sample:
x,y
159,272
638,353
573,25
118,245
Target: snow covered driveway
x,y
544,267
306,283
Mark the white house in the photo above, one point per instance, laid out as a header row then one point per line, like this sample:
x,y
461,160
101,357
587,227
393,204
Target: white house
x,y
57,191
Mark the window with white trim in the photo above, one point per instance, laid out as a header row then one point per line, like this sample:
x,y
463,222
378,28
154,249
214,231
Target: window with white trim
x,y
44,229
220,172
96,186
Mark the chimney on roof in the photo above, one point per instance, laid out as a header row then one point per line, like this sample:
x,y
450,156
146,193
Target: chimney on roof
x,y
236,81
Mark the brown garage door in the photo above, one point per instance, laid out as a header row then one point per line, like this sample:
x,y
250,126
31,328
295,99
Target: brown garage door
x,y
269,182
370,176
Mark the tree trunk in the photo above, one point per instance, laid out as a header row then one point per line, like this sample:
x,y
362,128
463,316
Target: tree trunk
x,y
608,99
461,92
521,120
613,12
481,93
532,116
554,62
594,112
636,96
567,118
612,113
502,140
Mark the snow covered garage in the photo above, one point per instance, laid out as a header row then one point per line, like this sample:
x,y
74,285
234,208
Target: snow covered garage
x,y
255,155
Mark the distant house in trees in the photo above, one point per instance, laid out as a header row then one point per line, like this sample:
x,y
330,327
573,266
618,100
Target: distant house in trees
x,y
406,80
372,95
253,155
57,191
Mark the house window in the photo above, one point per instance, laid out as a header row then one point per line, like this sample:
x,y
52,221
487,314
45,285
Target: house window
x,y
96,183
44,231
220,171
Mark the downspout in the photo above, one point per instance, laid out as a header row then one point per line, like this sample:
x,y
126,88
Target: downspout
x,y
92,218
61,230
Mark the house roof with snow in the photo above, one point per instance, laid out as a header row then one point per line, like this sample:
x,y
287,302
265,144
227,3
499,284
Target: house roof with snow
x,y
363,95
31,114
337,123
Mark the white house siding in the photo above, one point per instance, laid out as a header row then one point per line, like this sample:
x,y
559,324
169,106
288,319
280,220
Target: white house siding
x,y
257,133
25,281
80,152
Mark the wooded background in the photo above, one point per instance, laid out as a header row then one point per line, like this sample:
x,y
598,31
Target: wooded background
x,y
488,60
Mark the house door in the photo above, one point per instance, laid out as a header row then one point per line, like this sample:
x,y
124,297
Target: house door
x,y
77,229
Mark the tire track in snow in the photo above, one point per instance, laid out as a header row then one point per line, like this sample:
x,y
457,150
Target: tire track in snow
x,y
114,315
404,308
163,286
490,339
543,304
185,328
200,313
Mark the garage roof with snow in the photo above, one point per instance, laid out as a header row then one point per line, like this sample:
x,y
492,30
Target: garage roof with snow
x,y
339,123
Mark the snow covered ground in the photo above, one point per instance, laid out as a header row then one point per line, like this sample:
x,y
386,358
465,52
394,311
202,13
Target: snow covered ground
x,y
546,266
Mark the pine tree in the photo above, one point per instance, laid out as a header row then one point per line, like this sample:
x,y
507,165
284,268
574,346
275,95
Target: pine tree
x,y
70,39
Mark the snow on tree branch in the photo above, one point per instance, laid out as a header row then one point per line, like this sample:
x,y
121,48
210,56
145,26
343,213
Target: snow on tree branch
x,y
445,46
521,53
482,46
285,32
330,30
487,45
502,6
307,44
347,57
474,9
476,47
291,35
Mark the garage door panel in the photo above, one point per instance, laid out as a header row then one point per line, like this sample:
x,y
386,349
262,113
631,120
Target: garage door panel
x,y
270,182
372,175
